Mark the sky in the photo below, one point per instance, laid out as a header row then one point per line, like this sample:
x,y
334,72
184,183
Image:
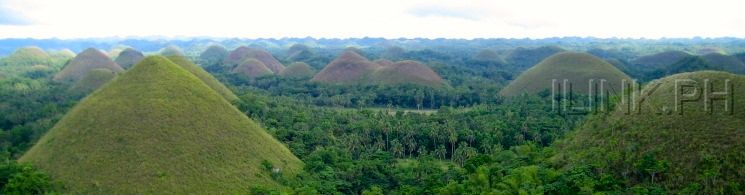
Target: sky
x,y
374,18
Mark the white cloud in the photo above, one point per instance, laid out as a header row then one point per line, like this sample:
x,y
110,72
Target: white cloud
x,y
380,18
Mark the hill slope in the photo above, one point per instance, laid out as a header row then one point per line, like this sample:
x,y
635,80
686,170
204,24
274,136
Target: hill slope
x,y
128,58
348,68
524,58
171,50
85,61
206,77
578,68
697,147
158,129
407,72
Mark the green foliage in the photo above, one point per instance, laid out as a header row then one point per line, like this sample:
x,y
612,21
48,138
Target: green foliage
x,y
24,179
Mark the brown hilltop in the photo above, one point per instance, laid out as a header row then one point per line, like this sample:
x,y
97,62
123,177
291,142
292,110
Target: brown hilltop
x,y
407,72
129,57
348,68
242,53
252,68
84,62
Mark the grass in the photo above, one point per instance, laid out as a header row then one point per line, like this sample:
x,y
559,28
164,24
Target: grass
x,y
700,148
158,129
578,68
203,75
84,62
28,56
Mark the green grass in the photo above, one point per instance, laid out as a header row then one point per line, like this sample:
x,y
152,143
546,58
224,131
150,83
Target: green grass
x,y
578,68
158,129
206,77
700,148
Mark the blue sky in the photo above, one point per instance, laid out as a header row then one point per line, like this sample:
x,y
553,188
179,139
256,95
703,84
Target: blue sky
x,y
378,18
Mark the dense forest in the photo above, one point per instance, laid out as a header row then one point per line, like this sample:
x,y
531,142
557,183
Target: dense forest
x,y
461,137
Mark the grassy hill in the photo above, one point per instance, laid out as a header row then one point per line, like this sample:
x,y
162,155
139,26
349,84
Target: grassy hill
x,y
128,57
252,68
660,59
407,72
158,129
241,54
84,62
578,68
348,68
206,77
693,150
92,81
213,55
298,70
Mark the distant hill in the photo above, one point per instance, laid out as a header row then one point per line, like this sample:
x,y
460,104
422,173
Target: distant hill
x,y
129,57
523,58
660,59
206,77
692,149
241,54
727,62
348,68
299,52
578,68
84,62
171,50
213,55
27,56
393,53
252,68
158,129
407,72
298,70
92,81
